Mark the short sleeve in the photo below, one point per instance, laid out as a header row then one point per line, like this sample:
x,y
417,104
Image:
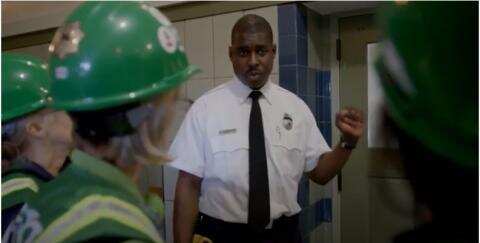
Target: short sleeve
x,y
187,149
316,145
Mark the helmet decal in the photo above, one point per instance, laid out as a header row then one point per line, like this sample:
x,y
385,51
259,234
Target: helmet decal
x,y
168,38
66,40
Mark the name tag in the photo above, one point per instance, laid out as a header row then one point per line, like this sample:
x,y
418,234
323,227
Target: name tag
x,y
227,131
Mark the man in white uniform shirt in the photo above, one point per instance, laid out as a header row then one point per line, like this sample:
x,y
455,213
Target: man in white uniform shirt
x,y
243,148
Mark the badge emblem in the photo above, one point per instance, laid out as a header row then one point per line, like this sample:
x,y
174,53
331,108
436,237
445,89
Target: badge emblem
x,y
287,121
66,40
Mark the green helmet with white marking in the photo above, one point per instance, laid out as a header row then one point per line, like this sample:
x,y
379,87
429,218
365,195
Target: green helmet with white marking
x,y
107,54
429,71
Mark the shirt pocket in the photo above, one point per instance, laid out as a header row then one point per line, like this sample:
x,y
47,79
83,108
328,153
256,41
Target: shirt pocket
x,y
288,151
226,143
229,156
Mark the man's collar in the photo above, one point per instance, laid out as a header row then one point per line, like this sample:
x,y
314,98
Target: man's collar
x,y
244,91
25,166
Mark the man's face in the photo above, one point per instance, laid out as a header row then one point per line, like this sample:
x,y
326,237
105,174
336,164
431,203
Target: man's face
x,y
252,56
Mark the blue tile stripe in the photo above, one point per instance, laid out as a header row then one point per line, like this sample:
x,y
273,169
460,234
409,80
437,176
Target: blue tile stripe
x,y
312,86
292,19
315,214
293,45
303,191
323,211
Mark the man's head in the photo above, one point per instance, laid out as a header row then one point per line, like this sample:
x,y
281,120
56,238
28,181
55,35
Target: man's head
x,y
110,64
428,68
26,124
252,50
417,67
25,85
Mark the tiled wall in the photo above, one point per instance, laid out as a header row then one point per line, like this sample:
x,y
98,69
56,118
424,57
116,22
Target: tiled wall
x,y
206,42
304,70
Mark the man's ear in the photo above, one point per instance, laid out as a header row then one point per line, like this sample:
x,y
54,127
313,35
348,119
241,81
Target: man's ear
x,y
274,49
35,129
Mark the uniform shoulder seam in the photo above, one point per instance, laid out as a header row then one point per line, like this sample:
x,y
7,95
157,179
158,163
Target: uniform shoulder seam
x,y
216,89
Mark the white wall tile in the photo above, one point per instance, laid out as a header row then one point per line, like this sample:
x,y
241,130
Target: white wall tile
x,y
270,14
182,90
169,221
219,81
199,45
197,87
222,29
170,176
180,26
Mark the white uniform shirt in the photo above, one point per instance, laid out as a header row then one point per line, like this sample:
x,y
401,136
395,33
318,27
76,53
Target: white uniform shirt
x,y
213,143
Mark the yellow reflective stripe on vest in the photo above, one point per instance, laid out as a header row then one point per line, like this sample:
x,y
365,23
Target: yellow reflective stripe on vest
x,y
17,184
93,208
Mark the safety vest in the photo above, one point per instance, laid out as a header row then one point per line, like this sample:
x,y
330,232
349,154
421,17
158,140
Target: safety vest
x,y
90,199
22,182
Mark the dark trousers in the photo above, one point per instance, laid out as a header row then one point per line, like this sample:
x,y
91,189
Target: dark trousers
x,y
284,230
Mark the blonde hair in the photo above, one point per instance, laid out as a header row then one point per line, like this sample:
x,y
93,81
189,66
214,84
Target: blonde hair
x,y
148,144
14,138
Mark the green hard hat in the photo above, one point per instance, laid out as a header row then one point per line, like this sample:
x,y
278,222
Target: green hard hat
x,y
111,53
25,85
429,72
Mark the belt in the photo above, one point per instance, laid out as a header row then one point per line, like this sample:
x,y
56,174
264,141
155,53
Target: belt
x,y
221,231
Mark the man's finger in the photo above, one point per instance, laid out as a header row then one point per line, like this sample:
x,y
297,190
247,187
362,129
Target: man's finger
x,y
344,126
356,119
351,122
355,114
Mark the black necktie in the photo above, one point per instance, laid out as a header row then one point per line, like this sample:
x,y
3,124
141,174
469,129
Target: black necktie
x,y
258,197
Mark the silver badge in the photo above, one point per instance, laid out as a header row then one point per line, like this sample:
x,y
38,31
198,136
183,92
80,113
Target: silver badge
x,y
287,121
66,40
